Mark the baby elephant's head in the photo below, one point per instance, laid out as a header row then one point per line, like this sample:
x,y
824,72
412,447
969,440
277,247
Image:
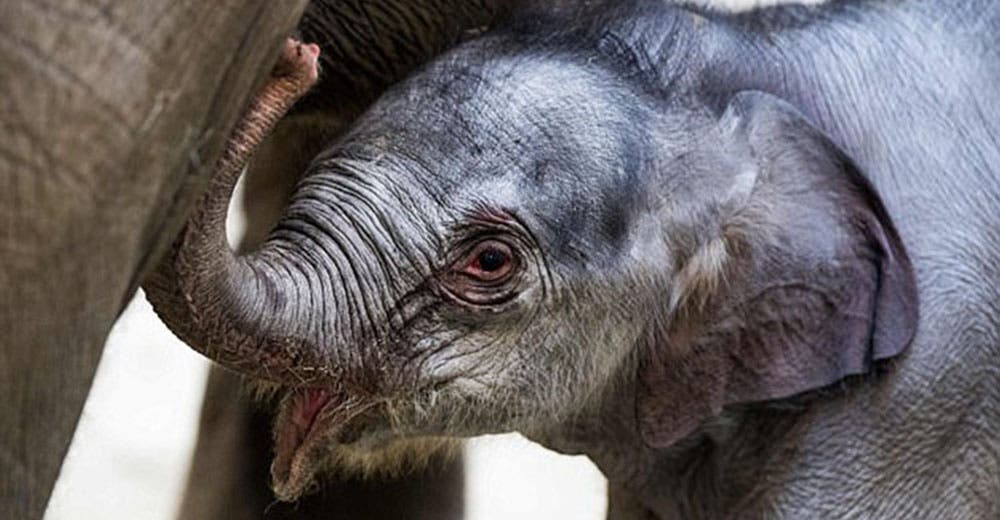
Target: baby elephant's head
x,y
531,226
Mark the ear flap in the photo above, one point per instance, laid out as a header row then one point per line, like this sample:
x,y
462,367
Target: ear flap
x,y
814,282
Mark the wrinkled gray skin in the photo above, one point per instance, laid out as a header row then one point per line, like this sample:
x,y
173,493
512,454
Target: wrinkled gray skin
x,y
711,222
364,50
112,114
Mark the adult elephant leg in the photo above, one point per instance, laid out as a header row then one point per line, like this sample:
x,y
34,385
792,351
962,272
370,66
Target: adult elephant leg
x,y
226,478
623,505
112,116
231,470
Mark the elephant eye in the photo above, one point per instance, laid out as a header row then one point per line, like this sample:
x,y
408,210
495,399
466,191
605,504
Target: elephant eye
x,y
489,261
486,274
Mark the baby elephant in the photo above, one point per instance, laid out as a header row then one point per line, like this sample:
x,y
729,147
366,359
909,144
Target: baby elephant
x,y
689,245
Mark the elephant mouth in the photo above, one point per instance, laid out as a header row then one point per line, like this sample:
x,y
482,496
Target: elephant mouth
x,y
309,419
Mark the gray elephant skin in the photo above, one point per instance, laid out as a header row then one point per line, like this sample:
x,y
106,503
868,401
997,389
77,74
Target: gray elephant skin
x,y
746,263
113,117
366,47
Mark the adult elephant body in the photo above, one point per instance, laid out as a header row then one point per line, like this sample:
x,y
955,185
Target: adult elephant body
x,y
111,117
698,260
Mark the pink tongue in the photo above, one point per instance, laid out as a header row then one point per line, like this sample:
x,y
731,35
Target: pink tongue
x,y
307,408
291,470
307,418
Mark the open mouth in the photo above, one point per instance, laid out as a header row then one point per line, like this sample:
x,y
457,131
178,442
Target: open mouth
x,y
307,419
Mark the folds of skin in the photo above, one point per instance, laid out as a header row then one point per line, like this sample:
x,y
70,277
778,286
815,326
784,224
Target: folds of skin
x,y
112,117
358,61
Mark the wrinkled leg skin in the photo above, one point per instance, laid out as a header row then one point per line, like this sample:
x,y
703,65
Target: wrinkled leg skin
x,y
112,117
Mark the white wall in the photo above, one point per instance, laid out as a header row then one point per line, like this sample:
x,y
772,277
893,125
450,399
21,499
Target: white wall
x,y
133,445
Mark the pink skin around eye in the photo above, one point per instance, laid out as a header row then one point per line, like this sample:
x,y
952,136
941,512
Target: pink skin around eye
x,y
499,251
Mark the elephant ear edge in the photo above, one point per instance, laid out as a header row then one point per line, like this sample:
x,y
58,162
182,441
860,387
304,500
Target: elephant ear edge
x,y
817,285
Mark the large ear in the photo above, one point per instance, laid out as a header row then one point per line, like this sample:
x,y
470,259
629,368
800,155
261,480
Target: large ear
x,y
804,283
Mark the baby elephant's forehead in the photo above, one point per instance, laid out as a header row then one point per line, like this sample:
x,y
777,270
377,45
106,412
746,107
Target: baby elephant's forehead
x,y
560,94
554,139
534,113
489,115
511,88
562,149
531,80
541,102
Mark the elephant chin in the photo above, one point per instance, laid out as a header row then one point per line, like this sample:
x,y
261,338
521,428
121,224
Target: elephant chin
x,y
316,432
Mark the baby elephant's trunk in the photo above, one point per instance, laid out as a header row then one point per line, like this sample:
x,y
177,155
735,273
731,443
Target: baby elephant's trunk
x,y
223,305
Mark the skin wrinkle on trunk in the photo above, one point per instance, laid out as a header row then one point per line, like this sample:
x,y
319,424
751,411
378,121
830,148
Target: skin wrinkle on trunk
x,y
343,225
201,283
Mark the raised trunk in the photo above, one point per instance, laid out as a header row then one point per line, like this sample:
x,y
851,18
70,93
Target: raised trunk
x,y
318,289
235,310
